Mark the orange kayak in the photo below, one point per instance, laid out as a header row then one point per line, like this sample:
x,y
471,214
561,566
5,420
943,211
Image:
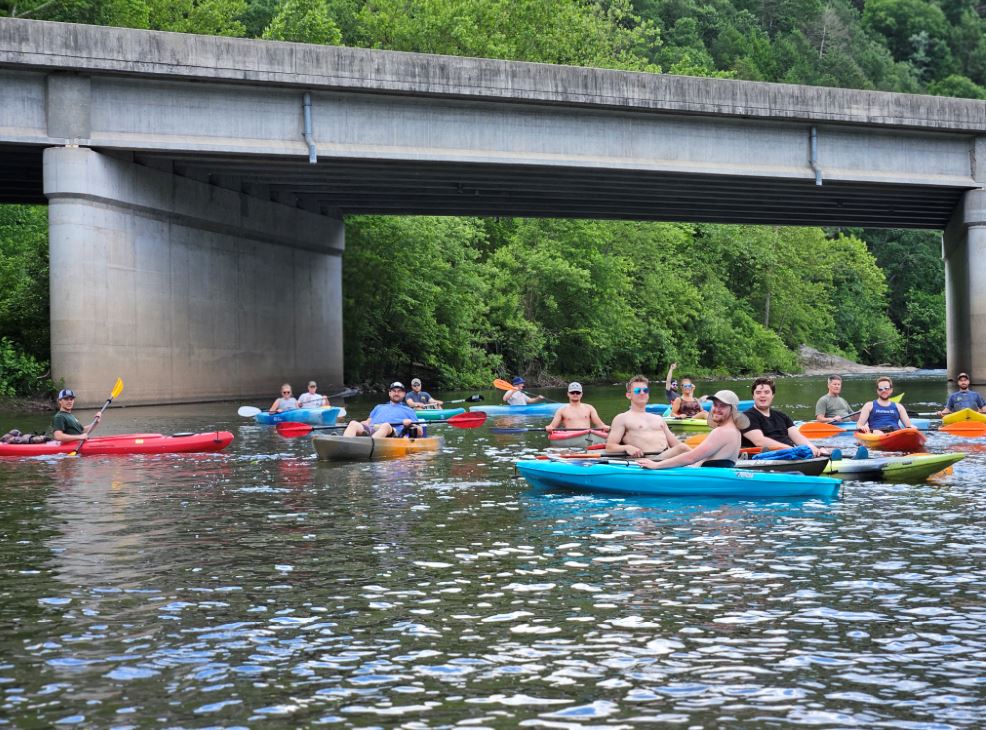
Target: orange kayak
x,y
906,439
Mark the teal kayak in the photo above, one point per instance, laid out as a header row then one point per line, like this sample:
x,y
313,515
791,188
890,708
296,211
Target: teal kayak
x,y
312,416
437,414
621,478
534,409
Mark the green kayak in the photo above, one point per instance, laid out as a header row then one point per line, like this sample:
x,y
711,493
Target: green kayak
x,y
910,468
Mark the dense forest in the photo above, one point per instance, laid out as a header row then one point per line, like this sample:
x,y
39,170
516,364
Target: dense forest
x,y
477,296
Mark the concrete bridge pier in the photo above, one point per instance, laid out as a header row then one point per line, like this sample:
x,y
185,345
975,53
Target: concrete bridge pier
x,y
964,250
186,290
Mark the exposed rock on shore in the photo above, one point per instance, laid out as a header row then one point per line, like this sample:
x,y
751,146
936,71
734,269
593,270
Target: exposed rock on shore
x,y
820,363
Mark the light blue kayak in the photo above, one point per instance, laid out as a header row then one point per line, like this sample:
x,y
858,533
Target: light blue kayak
x,y
663,408
534,409
610,478
312,416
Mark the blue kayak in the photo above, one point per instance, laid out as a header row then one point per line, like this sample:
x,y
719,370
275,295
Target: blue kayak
x,y
534,409
312,416
662,408
687,481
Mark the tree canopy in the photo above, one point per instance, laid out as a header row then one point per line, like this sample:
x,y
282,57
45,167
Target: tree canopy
x,y
474,296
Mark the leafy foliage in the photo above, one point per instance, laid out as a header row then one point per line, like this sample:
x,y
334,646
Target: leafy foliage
x,y
457,298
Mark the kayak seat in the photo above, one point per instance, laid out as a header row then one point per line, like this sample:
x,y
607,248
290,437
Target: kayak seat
x,y
836,455
862,453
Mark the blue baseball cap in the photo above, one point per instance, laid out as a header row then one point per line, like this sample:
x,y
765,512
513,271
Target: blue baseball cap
x,y
66,393
518,381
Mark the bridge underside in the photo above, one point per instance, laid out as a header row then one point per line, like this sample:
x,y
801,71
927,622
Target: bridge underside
x,y
341,187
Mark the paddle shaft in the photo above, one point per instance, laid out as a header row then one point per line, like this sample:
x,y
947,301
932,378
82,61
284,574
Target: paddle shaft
x,y
117,389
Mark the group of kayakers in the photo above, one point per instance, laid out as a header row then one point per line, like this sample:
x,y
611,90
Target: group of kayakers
x,y
636,432
309,399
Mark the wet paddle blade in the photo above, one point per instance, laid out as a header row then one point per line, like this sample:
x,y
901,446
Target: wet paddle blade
x,y
818,430
969,429
470,419
291,430
117,388
247,411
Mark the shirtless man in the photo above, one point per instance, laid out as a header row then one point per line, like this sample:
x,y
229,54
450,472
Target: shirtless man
x,y
576,415
721,447
636,432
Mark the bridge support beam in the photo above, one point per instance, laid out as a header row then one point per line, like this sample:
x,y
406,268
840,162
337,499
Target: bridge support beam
x,y
188,291
964,250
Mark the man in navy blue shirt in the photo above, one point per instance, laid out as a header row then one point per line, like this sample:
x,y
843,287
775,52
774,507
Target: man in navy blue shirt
x,y
963,398
380,423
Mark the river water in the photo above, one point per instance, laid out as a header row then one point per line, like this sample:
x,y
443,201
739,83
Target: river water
x,y
261,588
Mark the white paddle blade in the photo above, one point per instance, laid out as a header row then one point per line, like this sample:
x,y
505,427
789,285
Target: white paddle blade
x,y
248,411
342,413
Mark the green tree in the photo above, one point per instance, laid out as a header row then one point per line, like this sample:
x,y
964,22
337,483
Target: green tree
x,y
24,318
303,21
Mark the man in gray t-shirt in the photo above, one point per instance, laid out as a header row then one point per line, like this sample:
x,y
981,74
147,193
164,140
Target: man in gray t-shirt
x,y
832,406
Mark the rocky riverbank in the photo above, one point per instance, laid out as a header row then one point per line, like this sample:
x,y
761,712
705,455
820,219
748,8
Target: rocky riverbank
x,y
815,362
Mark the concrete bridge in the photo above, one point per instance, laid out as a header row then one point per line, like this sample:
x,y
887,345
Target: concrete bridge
x,y
198,186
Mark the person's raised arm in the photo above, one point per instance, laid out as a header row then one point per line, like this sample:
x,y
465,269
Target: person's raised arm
x,y
507,394
670,377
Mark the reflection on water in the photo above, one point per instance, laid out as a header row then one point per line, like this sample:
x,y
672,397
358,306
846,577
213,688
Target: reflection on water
x,y
260,586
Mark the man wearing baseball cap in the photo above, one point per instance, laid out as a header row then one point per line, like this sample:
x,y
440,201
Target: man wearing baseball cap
x,y
721,447
388,419
576,415
963,398
64,425
517,396
418,398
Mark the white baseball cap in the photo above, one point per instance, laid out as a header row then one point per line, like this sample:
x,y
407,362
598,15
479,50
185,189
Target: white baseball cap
x,y
575,387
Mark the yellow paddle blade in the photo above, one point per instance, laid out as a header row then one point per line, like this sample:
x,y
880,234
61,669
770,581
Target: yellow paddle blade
x,y
898,398
117,389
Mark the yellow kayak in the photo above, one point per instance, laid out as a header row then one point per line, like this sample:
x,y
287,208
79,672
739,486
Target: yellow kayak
x,y
966,414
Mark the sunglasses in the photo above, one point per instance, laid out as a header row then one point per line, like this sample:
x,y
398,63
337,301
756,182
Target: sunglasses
x,y
575,392
687,387
885,387
638,390
285,392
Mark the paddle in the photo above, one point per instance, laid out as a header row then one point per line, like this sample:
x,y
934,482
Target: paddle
x,y
531,429
475,398
117,389
501,384
251,411
970,429
463,420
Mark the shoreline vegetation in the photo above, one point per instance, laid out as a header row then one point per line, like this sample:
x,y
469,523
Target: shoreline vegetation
x,y
467,297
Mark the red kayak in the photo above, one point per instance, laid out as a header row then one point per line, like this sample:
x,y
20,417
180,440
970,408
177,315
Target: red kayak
x,y
128,443
906,439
